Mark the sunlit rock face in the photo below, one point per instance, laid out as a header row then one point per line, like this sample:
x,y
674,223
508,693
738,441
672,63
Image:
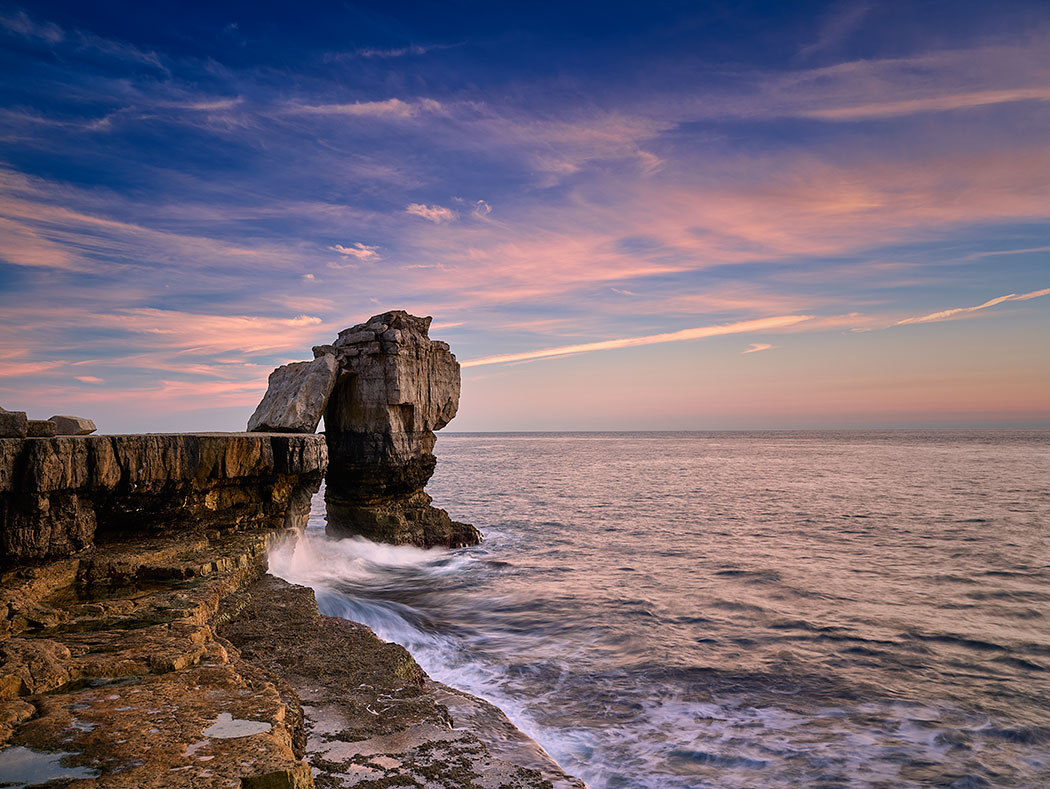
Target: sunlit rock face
x,y
296,397
395,388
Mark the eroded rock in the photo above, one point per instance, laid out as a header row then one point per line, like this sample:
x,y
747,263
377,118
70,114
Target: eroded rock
x,y
296,397
73,425
371,713
173,661
13,424
390,388
396,387
58,494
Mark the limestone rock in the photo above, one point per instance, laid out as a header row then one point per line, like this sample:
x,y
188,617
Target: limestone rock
x,y
372,712
384,387
41,428
57,493
126,673
73,425
296,397
175,662
13,424
389,399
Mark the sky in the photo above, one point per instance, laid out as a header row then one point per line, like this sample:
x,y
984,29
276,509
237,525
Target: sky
x,y
622,216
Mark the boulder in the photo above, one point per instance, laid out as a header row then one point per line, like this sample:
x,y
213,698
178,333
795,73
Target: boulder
x,y
13,424
296,397
73,425
41,428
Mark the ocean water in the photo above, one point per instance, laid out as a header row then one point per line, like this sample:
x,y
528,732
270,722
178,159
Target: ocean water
x,y
764,609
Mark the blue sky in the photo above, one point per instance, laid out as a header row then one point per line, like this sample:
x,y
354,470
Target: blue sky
x,y
659,215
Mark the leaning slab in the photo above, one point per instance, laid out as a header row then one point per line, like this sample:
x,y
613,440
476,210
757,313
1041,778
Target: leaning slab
x,y
296,397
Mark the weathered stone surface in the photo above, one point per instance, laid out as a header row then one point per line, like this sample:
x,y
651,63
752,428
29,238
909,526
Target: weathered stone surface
x,y
116,662
41,428
371,713
173,661
13,424
296,397
58,495
73,425
380,421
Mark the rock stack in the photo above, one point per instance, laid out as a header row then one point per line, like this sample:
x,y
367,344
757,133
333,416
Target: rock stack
x,y
383,387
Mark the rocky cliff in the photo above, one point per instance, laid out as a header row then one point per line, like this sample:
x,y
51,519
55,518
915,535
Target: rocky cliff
x,y
60,495
384,387
143,645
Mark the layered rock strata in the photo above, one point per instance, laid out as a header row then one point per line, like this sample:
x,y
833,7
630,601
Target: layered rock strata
x,y
60,495
174,662
392,388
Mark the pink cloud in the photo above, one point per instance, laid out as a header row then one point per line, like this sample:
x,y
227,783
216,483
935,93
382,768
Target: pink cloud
x,y
761,324
758,346
432,213
357,250
395,109
887,109
951,313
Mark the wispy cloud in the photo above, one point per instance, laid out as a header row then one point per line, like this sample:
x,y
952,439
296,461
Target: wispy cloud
x,y
843,20
758,346
700,332
395,109
76,41
396,52
933,317
22,24
956,101
357,250
432,213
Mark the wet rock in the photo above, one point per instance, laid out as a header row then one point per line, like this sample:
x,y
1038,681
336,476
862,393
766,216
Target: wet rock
x,y
13,424
73,425
371,713
296,397
174,661
115,663
58,495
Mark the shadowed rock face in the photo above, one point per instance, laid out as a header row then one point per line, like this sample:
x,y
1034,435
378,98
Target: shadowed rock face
x,y
395,388
60,495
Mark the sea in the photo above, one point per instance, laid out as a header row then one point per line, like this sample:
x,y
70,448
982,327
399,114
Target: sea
x,y
733,609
